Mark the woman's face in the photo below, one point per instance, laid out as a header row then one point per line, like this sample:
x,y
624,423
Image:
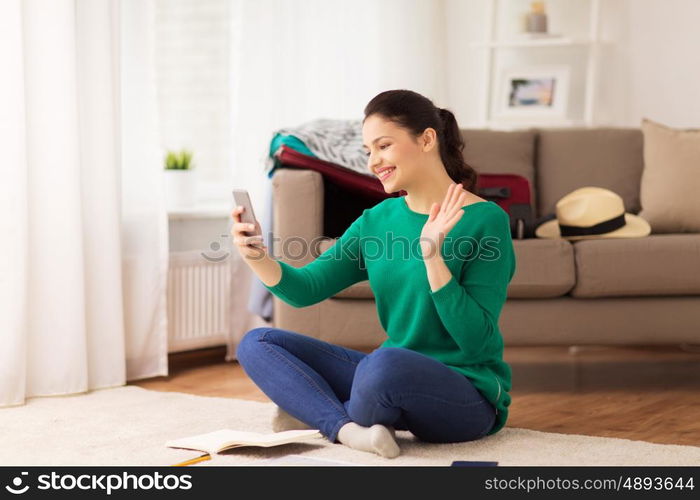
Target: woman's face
x,y
388,145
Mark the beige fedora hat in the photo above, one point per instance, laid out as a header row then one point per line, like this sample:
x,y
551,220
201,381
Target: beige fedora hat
x,y
592,212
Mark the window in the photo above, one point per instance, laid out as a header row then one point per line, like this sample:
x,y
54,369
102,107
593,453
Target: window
x,y
192,57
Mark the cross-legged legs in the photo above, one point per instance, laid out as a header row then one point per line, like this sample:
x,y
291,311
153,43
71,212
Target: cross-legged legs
x,y
333,388
435,403
304,376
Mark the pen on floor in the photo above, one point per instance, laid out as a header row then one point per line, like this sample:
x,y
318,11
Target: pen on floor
x,y
193,461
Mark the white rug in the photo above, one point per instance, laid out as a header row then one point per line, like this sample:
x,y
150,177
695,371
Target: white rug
x,y
130,425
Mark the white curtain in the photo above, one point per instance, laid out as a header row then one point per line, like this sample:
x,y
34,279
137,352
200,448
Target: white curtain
x,y
83,262
297,60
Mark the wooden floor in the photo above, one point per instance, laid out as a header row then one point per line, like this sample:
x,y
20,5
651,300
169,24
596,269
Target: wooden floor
x,y
642,393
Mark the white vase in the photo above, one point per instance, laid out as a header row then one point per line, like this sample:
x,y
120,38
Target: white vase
x,y
180,188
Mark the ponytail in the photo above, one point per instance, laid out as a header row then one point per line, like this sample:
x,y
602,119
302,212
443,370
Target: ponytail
x,y
451,148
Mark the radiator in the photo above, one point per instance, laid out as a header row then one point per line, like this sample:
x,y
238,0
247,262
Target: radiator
x,y
198,301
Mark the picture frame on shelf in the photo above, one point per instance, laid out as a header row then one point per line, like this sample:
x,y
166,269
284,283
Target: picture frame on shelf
x,y
532,93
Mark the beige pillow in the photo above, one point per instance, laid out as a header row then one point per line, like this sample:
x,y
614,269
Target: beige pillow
x,y
670,185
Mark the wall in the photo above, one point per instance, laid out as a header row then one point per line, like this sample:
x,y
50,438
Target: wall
x,y
650,67
660,59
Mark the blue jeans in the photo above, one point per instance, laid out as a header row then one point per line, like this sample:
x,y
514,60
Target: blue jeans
x,y
326,386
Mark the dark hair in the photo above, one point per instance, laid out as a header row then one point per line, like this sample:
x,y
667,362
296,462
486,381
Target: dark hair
x,y
415,113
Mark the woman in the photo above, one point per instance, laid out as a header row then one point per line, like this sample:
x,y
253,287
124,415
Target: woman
x,y
440,374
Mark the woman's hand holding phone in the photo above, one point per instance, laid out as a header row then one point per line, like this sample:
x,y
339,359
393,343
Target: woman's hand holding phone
x,y
247,238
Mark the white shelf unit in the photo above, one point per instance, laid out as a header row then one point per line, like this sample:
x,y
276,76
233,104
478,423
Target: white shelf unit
x,y
493,42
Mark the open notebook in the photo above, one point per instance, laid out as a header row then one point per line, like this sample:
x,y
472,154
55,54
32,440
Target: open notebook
x,y
218,441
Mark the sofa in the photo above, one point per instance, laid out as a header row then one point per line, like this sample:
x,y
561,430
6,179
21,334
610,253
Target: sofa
x,y
636,291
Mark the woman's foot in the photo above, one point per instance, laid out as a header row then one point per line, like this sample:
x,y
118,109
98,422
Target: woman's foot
x,y
283,421
376,439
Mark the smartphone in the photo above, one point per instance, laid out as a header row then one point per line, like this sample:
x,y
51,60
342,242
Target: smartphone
x,y
241,198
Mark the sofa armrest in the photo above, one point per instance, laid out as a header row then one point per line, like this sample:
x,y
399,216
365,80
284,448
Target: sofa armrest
x,y
297,219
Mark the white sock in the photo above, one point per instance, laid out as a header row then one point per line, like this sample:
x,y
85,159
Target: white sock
x,y
376,439
283,421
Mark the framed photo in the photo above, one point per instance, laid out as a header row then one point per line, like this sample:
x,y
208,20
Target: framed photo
x,y
538,92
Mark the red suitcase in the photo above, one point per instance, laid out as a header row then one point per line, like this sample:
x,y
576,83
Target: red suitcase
x,y
512,193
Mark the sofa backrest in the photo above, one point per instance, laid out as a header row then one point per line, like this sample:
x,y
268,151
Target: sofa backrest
x,y
557,161
570,158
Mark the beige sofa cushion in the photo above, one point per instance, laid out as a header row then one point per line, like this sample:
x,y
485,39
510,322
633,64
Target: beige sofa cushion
x,y
502,152
670,188
570,158
667,264
544,269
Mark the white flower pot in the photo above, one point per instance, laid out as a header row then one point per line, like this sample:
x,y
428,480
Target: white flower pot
x,y
180,188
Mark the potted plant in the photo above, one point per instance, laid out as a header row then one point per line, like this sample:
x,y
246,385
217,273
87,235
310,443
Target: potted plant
x,y
179,179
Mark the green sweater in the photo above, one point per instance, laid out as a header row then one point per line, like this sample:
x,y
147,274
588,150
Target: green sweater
x,y
456,324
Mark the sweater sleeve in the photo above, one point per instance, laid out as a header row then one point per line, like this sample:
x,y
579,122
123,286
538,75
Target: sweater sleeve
x,y
335,269
469,305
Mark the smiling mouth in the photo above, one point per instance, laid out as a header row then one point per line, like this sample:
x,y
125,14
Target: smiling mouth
x,y
386,173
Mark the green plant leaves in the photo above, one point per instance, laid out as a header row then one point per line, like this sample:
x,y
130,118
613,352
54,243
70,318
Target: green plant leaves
x,y
178,160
